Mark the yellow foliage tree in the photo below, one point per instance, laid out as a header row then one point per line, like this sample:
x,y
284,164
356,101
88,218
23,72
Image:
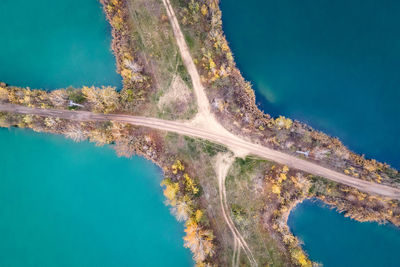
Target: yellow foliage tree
x,y
204,10
100,137
299,256
198,215
190,185
117,22
177,166
3,94
285,169
276,189
110,99
282,177
104,100
199,241
127,74
28,119
170,191
283,122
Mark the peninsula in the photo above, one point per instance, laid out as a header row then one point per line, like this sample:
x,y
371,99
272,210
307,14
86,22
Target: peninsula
x,y
232,173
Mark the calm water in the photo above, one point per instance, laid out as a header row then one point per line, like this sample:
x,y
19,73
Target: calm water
x,y
74,204
54,44
63,203
332,64
334,240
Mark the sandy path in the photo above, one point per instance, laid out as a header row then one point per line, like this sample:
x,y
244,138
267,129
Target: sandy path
x,y
222,165
202,100
235,144
204,118
235,250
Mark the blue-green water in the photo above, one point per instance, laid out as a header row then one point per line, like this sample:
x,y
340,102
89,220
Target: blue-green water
x,y
74,204
55,44
68,204
334,240
63,203
332,64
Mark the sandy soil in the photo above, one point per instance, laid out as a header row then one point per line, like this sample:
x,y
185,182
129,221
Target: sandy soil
x,y
178,92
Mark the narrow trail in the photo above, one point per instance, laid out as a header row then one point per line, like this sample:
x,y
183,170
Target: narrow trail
x,y
235,251
202,100
206,127
222,165
235,144
204,119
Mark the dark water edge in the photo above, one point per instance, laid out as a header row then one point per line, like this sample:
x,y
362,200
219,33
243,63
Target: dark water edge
x,y
334,240
331,64
51,44
75,204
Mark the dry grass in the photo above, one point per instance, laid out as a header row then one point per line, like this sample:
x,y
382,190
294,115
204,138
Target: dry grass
x,y
152,35
247,199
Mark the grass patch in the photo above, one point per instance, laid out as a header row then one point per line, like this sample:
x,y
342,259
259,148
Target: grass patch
x,y
154,38
247,201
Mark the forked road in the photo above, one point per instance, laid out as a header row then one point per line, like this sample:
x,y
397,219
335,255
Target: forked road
x,y
234,143
221,135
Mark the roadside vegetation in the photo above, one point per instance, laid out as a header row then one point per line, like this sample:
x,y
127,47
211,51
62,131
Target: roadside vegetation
x,y
260,194
233,101
155,81
190,184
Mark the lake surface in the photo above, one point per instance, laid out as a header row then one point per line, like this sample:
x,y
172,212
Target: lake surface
x,y
64,203
332,64
334,240
74,204
55,44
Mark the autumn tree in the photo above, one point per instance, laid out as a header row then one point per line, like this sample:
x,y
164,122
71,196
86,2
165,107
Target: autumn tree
x,y
58,98
104,100
3,94
199,241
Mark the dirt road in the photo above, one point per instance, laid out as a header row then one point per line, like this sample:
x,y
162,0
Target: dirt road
x,y
222,165
202,100
234,143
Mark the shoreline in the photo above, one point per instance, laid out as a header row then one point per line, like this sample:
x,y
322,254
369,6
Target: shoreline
x,y
152,145
248,105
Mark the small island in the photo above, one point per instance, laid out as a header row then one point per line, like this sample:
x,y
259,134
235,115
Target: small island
x,y
232,174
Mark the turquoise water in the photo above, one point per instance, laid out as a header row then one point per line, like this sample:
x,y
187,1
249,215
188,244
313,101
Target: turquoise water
x,y
334,240
74,204
63,203
332,64
55,44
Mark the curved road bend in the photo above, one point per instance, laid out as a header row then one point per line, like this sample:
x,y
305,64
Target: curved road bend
x,y
233,143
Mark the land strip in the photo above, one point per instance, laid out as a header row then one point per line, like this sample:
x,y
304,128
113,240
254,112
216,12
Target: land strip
x,y
201,97
234,143
222,167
